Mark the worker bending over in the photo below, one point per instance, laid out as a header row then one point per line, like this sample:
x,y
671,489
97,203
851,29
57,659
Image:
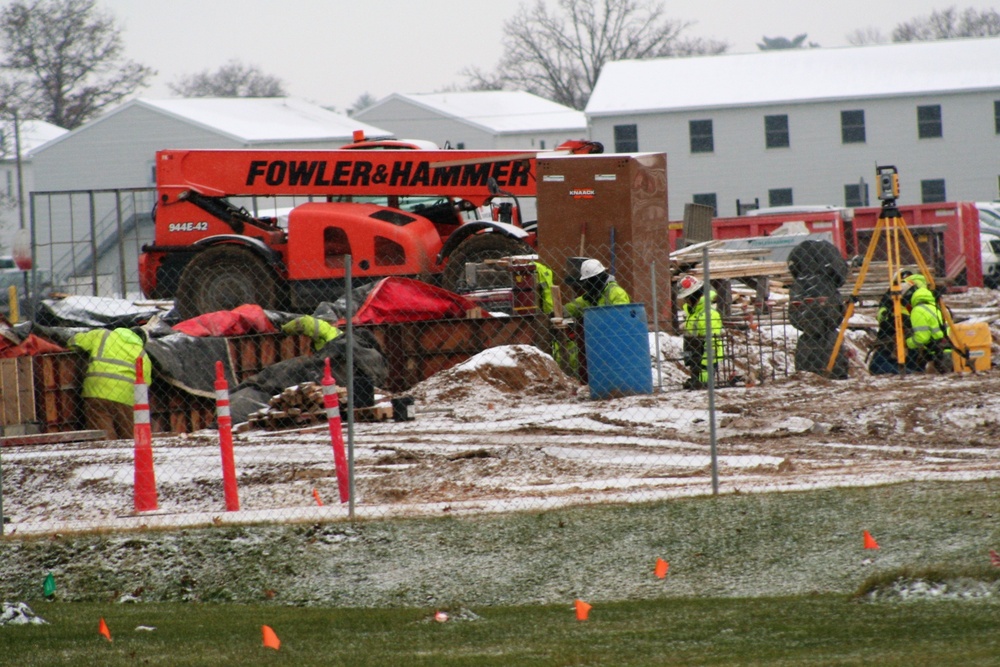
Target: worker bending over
x,y
320,331
691,294
109,386
928,341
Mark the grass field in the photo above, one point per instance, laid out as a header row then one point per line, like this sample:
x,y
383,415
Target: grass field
x,y
755,579
811,630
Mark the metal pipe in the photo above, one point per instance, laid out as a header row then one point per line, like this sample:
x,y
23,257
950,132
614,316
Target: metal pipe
x,y
656,327
710,357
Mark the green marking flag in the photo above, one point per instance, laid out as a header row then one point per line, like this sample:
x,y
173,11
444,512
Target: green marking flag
x,y
49,587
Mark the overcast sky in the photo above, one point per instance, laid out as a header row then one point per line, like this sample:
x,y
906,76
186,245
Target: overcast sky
x,y
332,51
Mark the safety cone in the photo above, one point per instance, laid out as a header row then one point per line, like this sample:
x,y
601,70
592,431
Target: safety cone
x,y
145,479
225,419
332,405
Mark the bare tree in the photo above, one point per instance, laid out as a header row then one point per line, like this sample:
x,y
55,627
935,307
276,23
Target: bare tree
x,y
68,57
949,24
234,79
780,43
866,36
364,101
559,55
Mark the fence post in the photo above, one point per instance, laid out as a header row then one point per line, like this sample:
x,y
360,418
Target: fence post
x,y
349,326
710,356
145,479
225,420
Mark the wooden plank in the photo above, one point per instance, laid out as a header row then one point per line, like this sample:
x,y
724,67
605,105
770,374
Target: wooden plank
x,y
52,438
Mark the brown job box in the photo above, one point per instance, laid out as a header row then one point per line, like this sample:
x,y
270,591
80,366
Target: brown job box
x,y
609,207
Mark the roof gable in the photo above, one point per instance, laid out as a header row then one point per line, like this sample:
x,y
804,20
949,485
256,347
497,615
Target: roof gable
x,y
497,111
796,75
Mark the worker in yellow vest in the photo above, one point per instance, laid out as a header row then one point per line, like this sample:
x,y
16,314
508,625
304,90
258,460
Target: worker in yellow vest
x,y
109,386
320,331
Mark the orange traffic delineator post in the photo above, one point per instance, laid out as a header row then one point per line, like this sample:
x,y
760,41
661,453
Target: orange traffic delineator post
x,y
225,419
870,542
145,478
582,610
661,569
332,405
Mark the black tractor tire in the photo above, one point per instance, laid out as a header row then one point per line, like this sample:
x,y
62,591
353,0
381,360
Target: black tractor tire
x,y
222,278
478,248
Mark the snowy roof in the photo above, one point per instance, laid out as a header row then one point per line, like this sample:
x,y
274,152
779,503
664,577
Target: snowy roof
x,y
33,133
499,111
796,75
263,119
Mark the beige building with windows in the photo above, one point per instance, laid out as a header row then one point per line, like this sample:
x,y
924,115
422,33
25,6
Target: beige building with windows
x,y
808,126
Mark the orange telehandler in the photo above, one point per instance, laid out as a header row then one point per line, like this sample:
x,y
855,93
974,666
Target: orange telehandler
x,y
396,208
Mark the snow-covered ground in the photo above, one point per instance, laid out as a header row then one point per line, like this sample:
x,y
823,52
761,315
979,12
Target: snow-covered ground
x,y
507,430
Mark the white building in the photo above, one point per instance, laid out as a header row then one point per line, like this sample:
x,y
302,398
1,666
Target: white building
x,y
481,120
33,133
115,154
808,126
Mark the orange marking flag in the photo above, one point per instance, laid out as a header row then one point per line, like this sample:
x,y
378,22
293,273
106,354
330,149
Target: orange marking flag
x,y
661,568
270,639
870,542
102,629
582,610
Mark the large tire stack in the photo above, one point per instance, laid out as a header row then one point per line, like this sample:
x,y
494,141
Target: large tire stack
x,y
816,307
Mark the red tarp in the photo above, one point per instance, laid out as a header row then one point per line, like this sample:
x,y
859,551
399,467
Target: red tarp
x,y
395,300
243,320
29,347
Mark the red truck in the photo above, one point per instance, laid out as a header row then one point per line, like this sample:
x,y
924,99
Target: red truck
x,y
397,211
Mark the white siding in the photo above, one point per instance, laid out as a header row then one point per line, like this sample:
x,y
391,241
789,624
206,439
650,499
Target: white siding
x,y
817,165
412,121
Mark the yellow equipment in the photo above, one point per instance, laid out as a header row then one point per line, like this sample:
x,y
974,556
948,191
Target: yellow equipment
x,y
892,224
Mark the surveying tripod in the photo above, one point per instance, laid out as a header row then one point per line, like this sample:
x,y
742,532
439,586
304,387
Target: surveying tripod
x,y
891,223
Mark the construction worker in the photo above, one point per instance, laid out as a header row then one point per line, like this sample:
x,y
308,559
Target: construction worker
x,y
883,359
928,340
691,293
598,288
544,278
109,386
320,331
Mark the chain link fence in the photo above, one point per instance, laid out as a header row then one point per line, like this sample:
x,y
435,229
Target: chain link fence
x,y
396,397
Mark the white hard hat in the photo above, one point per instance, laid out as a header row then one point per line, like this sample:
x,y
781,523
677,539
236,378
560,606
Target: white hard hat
x,y
687,286
590,268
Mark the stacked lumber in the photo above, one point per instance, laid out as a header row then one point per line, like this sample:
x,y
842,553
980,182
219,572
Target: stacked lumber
x,y
725,263
302,406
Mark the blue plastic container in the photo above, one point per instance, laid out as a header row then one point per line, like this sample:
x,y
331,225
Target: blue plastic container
x,y
617,349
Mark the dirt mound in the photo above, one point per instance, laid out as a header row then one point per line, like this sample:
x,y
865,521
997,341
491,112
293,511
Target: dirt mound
x,y
499,373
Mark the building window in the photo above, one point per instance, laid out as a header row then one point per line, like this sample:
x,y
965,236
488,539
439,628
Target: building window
x,y
856,194
707,199
460,145
929,121
932,191
626,139
701,136
10,183
779,197
852,127
541,144
776,131
996,116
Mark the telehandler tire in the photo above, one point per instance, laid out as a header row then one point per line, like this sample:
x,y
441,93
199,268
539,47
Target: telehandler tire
x,y
478,248
222,278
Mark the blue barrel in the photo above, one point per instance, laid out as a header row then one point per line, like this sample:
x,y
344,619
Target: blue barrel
x,y
616,341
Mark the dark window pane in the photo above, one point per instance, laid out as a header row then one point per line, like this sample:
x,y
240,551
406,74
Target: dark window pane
x,y
855,195
929,121
626,139
707,199
779,197
932,191
852,127
996,116
776,131
701,136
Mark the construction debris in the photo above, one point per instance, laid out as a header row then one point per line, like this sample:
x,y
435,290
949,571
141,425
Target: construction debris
x,y
302,405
